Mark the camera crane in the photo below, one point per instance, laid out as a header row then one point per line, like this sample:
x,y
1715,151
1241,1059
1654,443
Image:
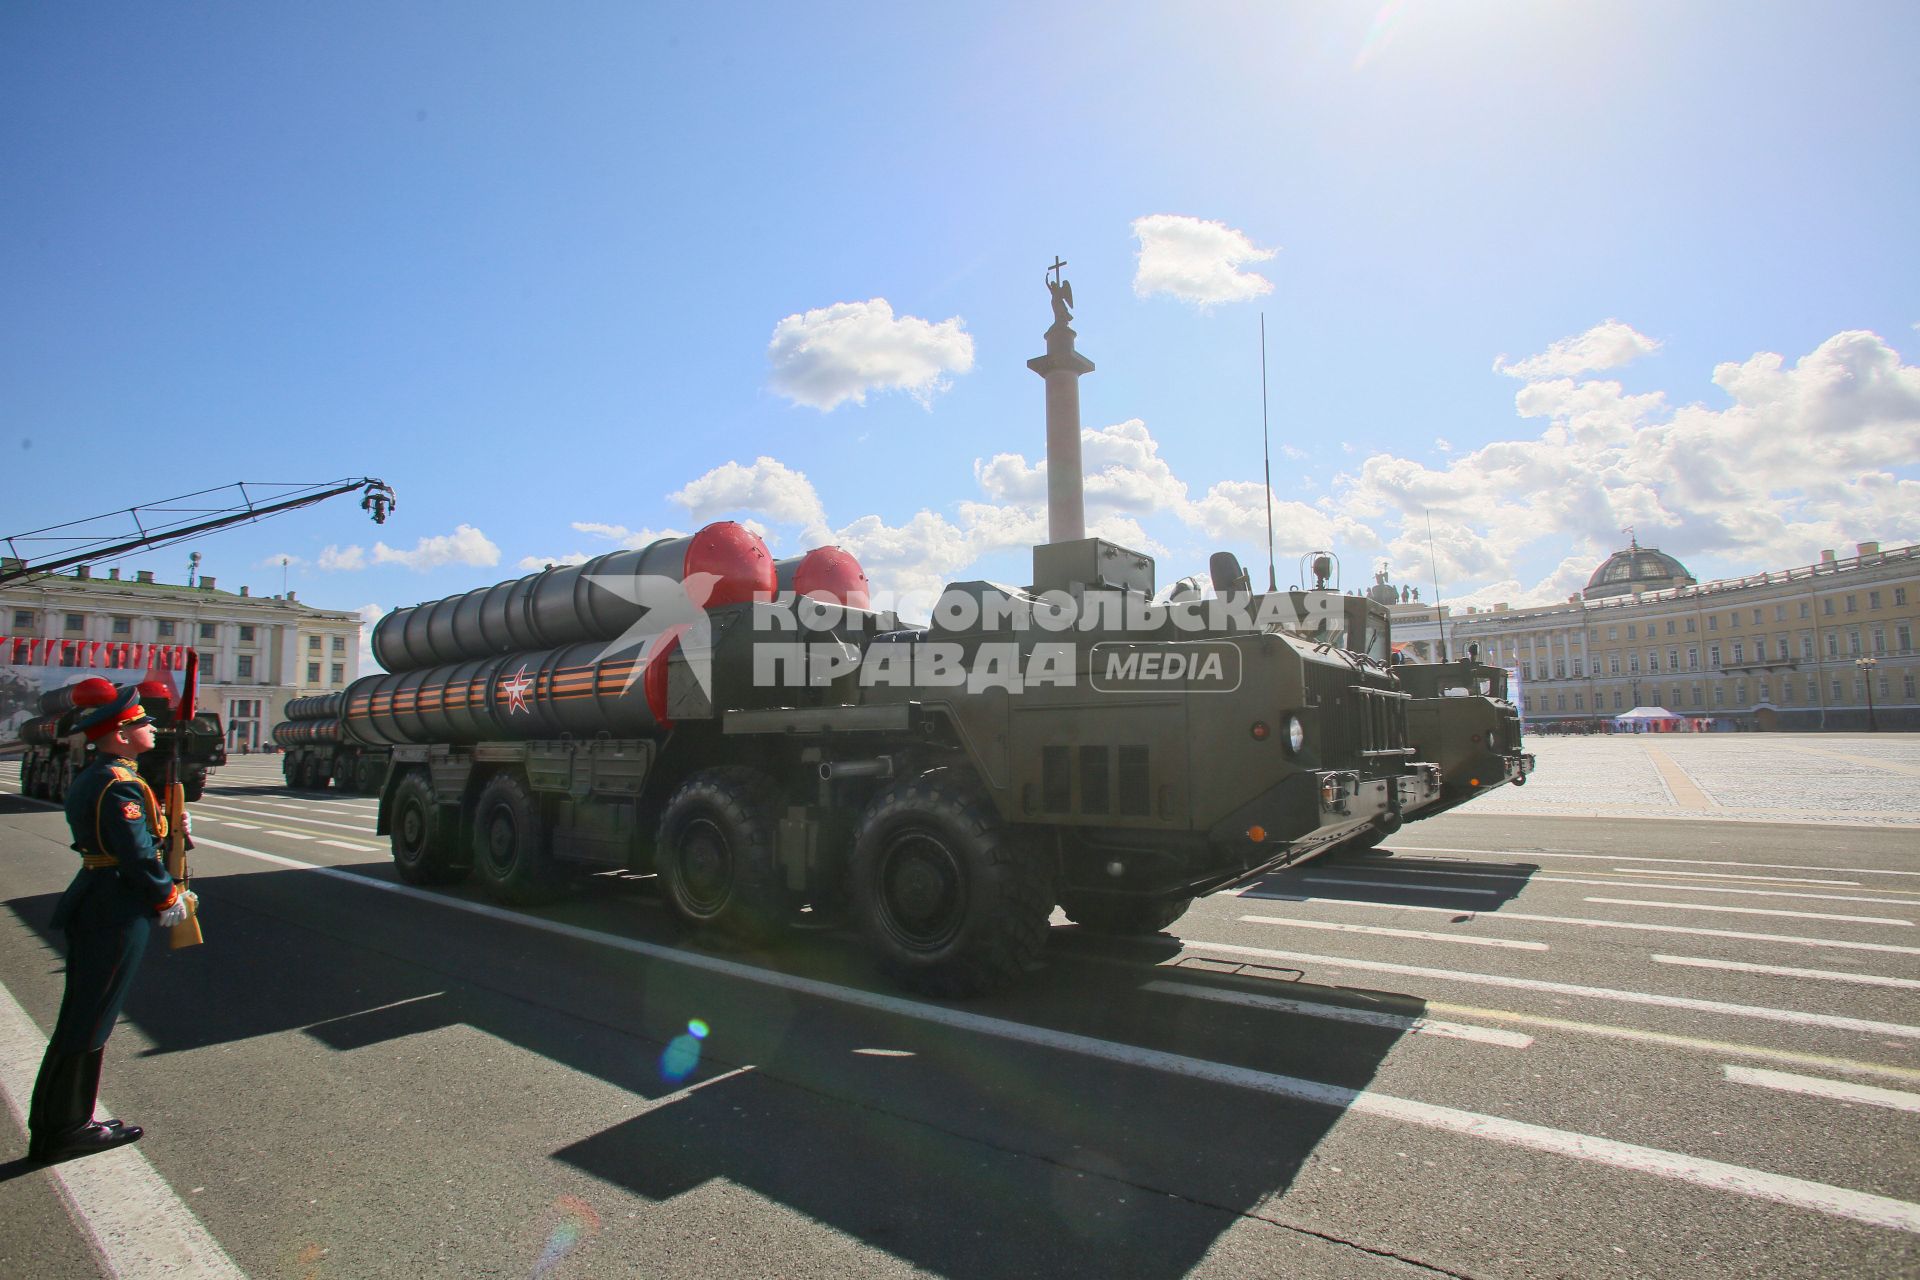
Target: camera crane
x,y
171,520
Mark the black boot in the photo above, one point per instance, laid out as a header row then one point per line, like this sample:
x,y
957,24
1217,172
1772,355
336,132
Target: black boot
x,y
87,1095
84,1141
56,1093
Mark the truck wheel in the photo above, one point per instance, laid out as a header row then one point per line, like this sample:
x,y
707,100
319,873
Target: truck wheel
x,y
423,845
1100,913
510,844
194,788
948,896
715,853
368,780
288,773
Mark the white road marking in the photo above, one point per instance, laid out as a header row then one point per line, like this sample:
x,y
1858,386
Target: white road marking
x,y
136,1222
357,848
293,835
363,827
1694,1044
1397,933
1594,922
1405,888
1838,1090
1623,857
1520,878
1340,1013
244,826
1727,875
1782,971
1751,911
1834,1021
1840,1202
1722,888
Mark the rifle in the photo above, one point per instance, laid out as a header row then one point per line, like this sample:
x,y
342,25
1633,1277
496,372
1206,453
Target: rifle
x,y
187,932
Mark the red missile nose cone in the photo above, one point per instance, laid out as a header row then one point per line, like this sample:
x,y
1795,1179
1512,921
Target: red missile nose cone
x,y
735,555
829,573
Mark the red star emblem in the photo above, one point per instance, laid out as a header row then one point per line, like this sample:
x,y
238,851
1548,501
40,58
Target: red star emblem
x,y
516,688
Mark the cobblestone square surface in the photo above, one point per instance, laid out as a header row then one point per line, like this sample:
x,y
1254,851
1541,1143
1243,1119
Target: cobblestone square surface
x,y
1871,779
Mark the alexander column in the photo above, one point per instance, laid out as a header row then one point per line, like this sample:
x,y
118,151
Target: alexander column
x,y
1062,367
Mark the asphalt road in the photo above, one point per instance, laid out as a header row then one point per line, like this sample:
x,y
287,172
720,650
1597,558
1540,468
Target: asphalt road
x,y
1506,1045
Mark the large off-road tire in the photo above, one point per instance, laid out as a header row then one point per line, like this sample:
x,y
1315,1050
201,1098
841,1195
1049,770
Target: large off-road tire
x,y
1097,913
368,775
422,836
289,774
194,788
512,851
954,902
715,853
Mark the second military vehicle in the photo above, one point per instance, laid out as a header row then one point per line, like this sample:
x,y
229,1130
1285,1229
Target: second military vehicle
x,y
53,756
316,754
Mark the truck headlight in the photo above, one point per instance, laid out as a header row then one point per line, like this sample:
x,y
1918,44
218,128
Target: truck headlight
x,y
1296,734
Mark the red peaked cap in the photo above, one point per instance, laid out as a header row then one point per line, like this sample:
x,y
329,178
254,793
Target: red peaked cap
x,y
123,712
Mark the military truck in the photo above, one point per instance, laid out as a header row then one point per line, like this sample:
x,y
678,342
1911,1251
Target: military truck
x,y
316,755
54,755
1458,713
779,754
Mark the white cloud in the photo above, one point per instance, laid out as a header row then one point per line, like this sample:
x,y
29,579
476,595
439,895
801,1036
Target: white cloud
x,y
1805,456
1608,345
534,564
827,356
342,559
769,488
369,614
465,545
629,539
1196,261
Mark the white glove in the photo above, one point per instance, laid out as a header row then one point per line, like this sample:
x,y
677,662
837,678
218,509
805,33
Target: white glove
x,y
175,914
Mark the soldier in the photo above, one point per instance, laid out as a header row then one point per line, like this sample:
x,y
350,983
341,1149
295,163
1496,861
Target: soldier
x,y
108,913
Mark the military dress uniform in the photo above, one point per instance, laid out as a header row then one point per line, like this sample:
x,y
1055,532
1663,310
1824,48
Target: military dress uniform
x,y
108,913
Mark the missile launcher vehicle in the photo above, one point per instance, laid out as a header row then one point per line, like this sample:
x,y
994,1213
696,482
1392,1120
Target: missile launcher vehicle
x,y
316,755
775,750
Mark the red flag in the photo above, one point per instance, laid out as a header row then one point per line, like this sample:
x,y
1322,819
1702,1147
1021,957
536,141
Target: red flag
x,y
190,687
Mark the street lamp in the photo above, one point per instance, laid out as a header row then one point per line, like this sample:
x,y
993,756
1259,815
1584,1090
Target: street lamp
x,y
1866,666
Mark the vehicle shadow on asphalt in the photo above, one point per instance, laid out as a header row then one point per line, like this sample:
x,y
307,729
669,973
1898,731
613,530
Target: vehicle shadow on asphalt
x,y
958,1147
1453,884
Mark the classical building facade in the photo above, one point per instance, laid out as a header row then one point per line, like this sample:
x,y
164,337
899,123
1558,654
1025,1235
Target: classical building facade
x,y
1824,646
256,652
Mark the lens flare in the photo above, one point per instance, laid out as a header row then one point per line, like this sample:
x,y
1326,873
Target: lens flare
x,y
682,1055
697,1029
577,1222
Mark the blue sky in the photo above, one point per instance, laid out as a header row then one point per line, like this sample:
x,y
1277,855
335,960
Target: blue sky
x,y
567,276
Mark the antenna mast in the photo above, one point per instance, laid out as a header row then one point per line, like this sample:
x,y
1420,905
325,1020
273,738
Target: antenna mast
x,y
1266,452
1433,564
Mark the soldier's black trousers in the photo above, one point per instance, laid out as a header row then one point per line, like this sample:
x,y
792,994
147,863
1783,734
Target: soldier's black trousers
x,y
104,950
